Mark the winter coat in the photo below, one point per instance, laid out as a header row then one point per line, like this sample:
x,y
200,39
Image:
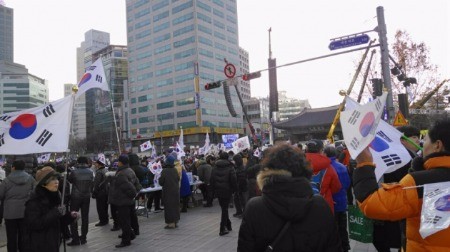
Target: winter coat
x,y
169,181
15,190
223,179
124,187
395,202
82,180
43,222
283,199
330,181
340,198
139,170
204,171
185,188
241,175
101,186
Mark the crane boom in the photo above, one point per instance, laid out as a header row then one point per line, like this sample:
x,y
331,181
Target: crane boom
x,y
421,102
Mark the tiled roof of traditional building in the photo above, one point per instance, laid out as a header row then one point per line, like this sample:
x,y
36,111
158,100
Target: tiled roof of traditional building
x,y
310,117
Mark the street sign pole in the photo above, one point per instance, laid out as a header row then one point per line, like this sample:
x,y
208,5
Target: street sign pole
x,y
385,62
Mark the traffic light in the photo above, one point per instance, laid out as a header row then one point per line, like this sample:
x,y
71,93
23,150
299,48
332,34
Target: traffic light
x,y
250,76
377,87
213,85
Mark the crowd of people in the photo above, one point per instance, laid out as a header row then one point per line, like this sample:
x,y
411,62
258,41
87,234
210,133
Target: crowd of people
x,y
289,197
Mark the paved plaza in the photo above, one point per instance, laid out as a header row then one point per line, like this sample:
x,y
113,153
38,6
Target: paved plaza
x,y
198,231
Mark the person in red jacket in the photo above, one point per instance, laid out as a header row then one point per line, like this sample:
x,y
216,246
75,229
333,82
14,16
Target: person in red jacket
x,y
330,182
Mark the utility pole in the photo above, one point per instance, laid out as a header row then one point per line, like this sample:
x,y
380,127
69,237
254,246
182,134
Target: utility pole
x,y
385,62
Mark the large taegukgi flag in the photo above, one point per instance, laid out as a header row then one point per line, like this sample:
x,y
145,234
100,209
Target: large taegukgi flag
x,y
359,124
94,77
37,130
388,152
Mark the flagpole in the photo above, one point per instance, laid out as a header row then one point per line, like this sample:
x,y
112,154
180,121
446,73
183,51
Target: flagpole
x,y
412,142
113,112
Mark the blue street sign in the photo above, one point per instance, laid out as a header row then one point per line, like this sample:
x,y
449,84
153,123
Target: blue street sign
x,y
358,40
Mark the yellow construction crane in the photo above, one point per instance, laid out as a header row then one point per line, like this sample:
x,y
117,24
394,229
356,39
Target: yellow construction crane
x,y
419,104
344,93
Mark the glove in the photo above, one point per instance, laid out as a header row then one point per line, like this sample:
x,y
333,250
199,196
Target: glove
x,y
75,215
62,210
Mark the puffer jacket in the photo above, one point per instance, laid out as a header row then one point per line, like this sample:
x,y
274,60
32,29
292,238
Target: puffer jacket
x,y
82,180
330,181
404,200
340,198
204,171
223,179
15,190
284,199
124,187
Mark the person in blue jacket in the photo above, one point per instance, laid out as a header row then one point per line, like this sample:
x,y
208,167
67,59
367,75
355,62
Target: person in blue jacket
x,y
340,198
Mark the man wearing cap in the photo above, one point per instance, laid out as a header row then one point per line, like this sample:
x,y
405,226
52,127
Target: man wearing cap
x,y
82,180
14,192
330,183
124,189
100,193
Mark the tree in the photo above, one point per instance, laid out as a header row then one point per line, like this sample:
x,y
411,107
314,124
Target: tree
x,y
415,61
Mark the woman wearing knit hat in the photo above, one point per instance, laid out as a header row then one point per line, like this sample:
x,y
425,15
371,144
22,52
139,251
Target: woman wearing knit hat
x,y
44,215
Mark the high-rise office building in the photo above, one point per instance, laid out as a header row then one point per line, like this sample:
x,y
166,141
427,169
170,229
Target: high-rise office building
x,y
19,89
93,41
6,33
244,68
99,112
175,48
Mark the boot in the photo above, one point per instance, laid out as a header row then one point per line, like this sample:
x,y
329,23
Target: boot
x,y
223,230
229,225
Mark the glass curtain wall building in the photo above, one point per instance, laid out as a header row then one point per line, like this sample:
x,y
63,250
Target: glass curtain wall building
x,y
171,44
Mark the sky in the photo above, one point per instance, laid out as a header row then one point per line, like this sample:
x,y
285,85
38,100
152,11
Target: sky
x,y
47,33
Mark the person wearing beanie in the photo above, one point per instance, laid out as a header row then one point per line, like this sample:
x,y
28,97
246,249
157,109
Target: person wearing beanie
x,y
82,180
170,183
14,192
100,193
287,203
123,191
44,214
224,183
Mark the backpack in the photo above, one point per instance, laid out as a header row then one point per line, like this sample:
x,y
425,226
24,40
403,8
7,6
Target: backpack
x,y
316,181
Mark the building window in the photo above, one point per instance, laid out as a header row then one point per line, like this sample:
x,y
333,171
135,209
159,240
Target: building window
x,y
164,105
185,113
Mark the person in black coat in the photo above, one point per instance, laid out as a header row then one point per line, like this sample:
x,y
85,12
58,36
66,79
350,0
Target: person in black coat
x,y
170,183
124,189
44,216
224,184
100,194
239,196
287,196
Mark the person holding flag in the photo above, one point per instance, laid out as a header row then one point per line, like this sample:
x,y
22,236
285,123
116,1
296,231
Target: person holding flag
x,y
404,200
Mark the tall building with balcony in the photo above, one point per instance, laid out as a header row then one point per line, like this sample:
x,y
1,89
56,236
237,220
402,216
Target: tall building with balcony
x,y
7,33
175,48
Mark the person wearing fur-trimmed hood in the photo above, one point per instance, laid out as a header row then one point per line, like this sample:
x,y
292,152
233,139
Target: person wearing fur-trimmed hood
x,y
287,197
